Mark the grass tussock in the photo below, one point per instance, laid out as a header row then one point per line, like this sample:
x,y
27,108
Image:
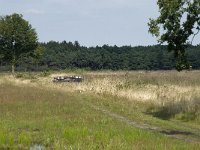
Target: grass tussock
x,y
182,110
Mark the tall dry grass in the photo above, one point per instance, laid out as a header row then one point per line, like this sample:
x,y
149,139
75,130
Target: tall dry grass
x,y
157,86
170,91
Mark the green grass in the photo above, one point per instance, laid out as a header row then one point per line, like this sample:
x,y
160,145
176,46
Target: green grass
x,y
63,120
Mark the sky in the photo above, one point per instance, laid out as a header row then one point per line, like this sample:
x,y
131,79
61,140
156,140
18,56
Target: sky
x,y
91,22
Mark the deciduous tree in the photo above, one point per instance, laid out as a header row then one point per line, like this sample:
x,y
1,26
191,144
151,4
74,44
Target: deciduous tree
x,y
16,37
178,22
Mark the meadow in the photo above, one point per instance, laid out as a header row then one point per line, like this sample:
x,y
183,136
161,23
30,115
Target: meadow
x,y
108,110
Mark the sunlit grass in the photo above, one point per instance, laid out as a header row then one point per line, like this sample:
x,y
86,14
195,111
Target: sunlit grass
x,y
57,120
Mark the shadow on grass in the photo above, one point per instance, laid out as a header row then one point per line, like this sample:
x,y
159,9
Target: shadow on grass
x,y
187,110
175,132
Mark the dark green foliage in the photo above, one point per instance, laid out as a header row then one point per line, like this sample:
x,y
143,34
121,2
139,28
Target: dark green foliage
x,y
67,55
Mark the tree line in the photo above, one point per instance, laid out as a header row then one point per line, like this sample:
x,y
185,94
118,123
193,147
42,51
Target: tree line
x,y
68,55
178,22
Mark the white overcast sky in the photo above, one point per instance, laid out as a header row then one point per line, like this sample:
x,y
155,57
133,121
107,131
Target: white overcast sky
x,y
91,22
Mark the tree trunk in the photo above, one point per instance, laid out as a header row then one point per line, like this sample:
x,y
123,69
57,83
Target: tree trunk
x,y
13,63
13,68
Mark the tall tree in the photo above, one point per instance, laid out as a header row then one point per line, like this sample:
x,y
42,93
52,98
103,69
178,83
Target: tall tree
x,y
179,20
16,37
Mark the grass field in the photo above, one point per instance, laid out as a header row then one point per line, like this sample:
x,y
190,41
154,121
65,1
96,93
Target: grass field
x,y
109,110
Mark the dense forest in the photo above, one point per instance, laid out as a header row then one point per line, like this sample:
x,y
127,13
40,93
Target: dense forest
x,y
68,55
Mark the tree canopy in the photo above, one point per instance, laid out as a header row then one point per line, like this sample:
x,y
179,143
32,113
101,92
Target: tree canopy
x,y
66,55
17,37
178,22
